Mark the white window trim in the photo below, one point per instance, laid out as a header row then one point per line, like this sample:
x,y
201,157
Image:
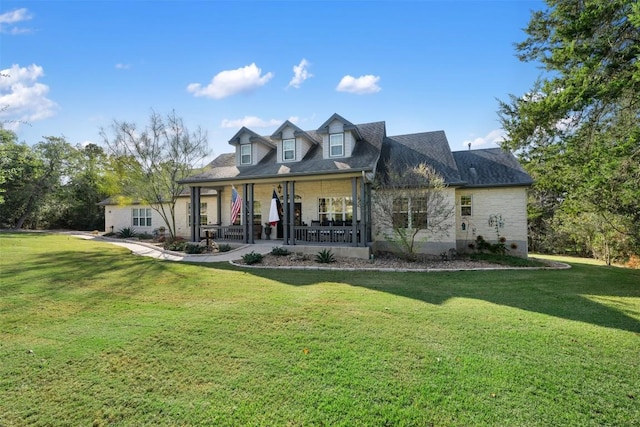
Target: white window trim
x,y
204,217
147,217
470,205
292,150
341,145
243,154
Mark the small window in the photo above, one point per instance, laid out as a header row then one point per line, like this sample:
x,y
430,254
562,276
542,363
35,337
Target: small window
x,y
336,145
141,217
465,205
288,150
245,154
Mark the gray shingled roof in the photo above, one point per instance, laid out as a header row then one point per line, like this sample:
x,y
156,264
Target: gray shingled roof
x,y
491,167
375,152
364,158
405,151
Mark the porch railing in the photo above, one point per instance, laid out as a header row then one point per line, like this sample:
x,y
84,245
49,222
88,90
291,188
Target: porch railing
x,y
304,233
225,232
326,234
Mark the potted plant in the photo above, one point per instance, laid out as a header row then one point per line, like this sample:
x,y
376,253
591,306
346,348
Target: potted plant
x,y
267,230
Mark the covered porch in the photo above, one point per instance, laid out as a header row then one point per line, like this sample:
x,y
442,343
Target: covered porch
x,y
312,211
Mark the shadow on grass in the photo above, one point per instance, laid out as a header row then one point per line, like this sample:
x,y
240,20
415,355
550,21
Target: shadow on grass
x,y
572,294
585,293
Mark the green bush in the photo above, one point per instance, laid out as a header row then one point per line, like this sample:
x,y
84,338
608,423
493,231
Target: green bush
x,y
127,232
191,248
325,256
224,247
280,251
144,236
177,244
252,258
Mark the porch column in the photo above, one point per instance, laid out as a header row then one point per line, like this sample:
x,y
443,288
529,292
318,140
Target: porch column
x,y
354,213
219,206
363,214
251,215
195,213
369,223
285,214
292,213
192,223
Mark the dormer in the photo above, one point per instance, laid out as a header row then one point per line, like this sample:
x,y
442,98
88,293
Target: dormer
x,y
339,137
251,148
292,143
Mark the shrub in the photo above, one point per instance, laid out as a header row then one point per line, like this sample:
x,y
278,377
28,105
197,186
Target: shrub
x,y
252,258
190,248
325,256
224,247
109,234
144,236
127,232
176,244
280,251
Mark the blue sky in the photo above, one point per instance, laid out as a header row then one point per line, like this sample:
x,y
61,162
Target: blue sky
x,y
72,67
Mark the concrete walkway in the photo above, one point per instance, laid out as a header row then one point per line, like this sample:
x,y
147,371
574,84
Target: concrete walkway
x,y
145,249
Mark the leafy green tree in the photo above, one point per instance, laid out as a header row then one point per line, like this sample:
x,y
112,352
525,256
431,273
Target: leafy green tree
x,y
34,174
578,129
151,161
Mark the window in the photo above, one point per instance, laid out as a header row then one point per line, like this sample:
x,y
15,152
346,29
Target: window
x,y
204,220
410,212
336,145
245,154
465,205
288,149
141,217
257,214
335,209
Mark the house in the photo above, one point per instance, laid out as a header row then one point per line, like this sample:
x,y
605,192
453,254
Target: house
x,y
323,180
121,213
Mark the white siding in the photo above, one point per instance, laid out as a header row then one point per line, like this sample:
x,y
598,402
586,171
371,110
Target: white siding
x,y
337,126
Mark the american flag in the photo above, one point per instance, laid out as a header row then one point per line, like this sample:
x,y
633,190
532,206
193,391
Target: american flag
x,y
236,204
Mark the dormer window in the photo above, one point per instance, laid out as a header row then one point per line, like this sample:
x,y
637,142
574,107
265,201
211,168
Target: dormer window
x,y
245,154
288,150
336,145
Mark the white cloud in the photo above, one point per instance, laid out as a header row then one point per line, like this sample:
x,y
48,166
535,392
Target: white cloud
x,y
24,99
9,19
254,122
121,66
300,73
360,86
230,82
495,137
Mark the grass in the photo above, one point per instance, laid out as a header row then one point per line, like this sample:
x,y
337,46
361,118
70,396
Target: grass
x,y
91,335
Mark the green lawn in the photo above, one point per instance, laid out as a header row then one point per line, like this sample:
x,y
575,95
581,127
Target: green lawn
x,y
90,335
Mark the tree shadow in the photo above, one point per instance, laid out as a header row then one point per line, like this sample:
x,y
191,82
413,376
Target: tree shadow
x,y
582,293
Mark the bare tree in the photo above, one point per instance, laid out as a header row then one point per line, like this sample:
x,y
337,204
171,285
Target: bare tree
x,y
410,204
163,153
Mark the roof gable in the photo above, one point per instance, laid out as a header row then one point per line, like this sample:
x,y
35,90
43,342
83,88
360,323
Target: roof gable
x,y
296,131
253,137
346,124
